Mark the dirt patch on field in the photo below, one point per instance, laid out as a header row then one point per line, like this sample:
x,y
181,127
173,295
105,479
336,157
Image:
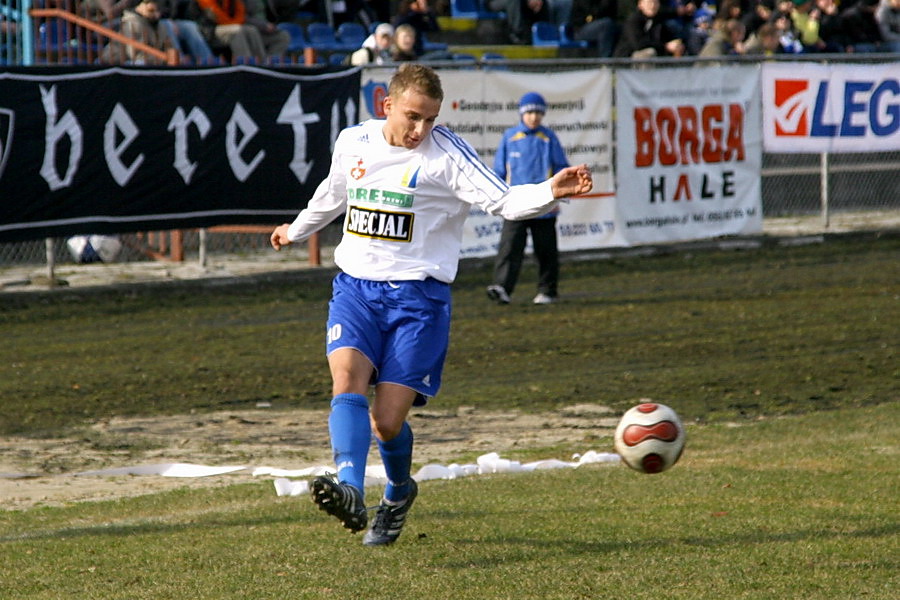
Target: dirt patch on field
x,y
46,471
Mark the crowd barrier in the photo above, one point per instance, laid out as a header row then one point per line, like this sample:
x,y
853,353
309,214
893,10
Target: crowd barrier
x,y
699,148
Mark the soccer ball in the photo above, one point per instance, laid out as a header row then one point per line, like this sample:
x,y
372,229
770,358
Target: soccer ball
x,y
650,437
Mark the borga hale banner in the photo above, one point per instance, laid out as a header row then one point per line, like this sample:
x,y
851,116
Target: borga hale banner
x,y
689,153
86,151
481,105
831,108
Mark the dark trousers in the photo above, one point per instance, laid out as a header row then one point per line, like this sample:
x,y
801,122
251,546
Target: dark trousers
x,y
511,252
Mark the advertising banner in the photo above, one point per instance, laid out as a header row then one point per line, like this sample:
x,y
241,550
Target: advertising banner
x,y
481,105
87,151
821,108
689,153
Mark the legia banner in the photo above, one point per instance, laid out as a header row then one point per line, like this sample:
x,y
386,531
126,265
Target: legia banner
x,y
831,108
126,149
689,154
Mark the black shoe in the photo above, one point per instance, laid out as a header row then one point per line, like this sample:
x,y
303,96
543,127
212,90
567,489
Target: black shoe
x,y
340,500
498,294
519,40
389,519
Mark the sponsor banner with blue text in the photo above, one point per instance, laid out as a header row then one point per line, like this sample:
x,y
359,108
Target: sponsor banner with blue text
x,y
109,150
481,105
831,108
689,153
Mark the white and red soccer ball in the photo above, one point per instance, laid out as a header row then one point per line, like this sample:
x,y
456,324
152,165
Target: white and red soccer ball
x,y
650,437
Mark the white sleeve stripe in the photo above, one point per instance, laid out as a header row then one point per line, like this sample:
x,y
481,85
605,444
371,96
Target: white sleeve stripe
x,y
469,154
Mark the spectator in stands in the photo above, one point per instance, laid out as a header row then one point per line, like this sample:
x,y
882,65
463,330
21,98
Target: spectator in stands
x,y
560,11
7,27
679,15
180,19
520,16
105,12
595,21
729,9
420,16
806,22
376,48
140,24
830,28
888,18
9,48
861,31
727,39
759,15
702,29
788,36
379,11
764,41
232,27
404,46
275,40
644,34
346,11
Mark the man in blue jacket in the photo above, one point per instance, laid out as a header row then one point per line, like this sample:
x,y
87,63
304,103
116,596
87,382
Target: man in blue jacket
x,y
528,153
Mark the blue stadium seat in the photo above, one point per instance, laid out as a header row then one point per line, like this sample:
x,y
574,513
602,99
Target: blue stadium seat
x,y
321,36
298,38
53,36
336,58
544,34
473,9
494,60
351,35
428,46
567,41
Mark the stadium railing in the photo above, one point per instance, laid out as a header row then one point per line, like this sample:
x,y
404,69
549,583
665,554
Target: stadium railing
x,y
791,183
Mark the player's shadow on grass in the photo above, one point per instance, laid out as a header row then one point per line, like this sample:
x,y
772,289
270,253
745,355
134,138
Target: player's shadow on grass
x,y
147,526
522,547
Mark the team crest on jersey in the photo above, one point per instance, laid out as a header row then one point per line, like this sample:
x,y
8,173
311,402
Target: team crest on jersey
x,y
379,224
358,171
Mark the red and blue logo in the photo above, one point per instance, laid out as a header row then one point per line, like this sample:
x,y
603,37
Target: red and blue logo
x,y
853,108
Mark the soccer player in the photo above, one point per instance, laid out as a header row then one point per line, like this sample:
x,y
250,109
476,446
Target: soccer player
x,y
405,186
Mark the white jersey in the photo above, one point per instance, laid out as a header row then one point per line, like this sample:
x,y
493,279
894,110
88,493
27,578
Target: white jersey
x,y
405,209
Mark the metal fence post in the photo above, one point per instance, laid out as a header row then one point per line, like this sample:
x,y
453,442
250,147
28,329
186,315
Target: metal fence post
x,y
823,187
50,251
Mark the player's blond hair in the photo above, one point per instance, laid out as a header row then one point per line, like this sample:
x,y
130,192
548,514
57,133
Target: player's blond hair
x,y
413,75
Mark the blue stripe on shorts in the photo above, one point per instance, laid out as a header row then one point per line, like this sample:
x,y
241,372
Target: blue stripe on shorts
x,y
402,327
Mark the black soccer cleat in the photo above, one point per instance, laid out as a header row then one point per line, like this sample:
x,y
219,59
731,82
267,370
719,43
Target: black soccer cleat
x,y
389,519
340,500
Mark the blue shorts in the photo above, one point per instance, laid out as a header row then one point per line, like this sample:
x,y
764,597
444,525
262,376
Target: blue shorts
x,y
402,327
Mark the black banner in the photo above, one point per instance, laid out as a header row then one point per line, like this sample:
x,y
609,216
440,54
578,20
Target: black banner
x,y
129,149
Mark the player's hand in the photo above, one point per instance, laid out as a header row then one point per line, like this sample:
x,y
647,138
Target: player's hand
x,y
572,181
279,237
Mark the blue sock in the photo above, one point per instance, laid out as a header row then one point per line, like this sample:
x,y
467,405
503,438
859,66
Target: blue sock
x,y
351,436
396,454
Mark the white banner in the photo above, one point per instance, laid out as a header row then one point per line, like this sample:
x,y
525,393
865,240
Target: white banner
x,y
831,108
689,153
481,105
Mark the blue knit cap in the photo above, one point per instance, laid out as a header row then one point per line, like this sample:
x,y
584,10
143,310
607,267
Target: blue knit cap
x,y
532,101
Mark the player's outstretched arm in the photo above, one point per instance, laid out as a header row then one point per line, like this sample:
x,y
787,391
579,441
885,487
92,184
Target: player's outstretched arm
x,y
571,181
279,237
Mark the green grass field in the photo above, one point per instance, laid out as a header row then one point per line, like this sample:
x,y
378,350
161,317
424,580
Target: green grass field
x,y
782,361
